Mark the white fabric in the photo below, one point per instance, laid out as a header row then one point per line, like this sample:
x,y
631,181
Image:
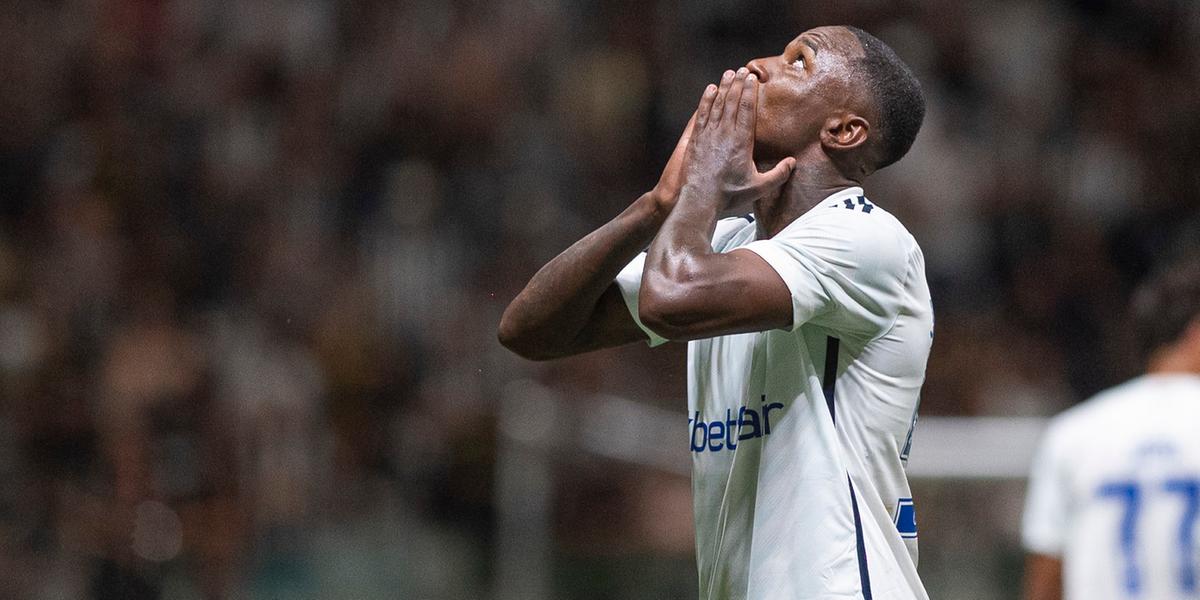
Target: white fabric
x,y
629,280
771,466
1125,462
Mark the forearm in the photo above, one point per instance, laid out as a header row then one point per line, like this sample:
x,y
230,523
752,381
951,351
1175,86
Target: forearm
x,y
556,305
689,291
685,239
683,274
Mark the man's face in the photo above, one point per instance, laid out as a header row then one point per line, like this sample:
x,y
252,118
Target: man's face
x,y
801,88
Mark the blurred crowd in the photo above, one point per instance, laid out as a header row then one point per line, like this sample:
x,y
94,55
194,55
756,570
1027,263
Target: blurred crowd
x,y
253,254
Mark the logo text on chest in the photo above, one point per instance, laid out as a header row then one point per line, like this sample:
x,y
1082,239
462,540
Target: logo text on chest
x,y
717,435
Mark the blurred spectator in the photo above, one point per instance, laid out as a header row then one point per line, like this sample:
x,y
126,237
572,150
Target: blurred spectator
x,y
252,255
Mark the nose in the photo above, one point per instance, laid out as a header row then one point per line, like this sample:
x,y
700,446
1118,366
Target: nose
x,y
758,66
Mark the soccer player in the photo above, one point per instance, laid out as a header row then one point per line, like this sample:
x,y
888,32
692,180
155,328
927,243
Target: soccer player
x,y
809,320
1114,497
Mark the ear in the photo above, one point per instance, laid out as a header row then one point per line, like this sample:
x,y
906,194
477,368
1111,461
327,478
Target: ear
x,y
844,131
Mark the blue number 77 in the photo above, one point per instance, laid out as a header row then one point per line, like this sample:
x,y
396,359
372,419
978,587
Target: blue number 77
x,y
1129,493
1190,490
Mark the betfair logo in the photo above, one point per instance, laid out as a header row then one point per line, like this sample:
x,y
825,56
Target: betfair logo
x,y
718,435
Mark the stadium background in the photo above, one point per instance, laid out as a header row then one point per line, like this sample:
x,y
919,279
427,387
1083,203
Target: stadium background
x,y
253,254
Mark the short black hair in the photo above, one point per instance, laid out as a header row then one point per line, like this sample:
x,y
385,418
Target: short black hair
x,y
1166,304
897,95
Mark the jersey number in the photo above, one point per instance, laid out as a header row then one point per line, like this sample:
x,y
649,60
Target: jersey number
x,y
1131,495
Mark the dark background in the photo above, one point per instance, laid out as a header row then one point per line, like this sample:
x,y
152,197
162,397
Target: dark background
x,y
253,255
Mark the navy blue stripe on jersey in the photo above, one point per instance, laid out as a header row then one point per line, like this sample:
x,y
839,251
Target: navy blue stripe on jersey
x,y
863,575
831,364
828,384
749,218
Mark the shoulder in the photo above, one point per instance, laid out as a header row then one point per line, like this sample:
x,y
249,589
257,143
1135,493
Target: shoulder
x,y
860,219
850,231
1093,417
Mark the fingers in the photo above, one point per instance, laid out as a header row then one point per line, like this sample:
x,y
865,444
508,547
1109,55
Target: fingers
x,y
671,178
685,139
734,96
775,178
706,102
687,132
718,106
726,103
747,110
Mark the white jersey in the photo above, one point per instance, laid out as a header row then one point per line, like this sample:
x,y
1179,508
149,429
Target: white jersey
x,y
799,436
1115,492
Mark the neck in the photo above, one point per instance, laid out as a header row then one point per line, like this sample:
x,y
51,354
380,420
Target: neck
x,y
1173,362
1181,356
814,179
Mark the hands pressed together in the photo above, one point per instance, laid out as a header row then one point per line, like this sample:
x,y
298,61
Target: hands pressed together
x,y
715,155
573,305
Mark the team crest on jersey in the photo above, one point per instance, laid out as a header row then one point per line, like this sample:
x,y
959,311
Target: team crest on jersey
x,y
747,424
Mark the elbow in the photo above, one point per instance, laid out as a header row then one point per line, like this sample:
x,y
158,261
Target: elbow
x,y
509,335
664,308
521,342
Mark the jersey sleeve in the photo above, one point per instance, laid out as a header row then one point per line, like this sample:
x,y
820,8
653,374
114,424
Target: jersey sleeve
x,y
728,231
629,280
1043,525
845,269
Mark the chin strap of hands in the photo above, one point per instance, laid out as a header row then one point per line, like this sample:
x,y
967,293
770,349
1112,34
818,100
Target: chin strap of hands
x,y
720,155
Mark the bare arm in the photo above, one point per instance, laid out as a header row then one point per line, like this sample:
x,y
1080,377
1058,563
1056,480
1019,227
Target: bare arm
x,y
1043,577
688,290
571,305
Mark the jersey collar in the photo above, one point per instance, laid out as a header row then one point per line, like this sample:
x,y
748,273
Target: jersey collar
x,y
839,196
850,193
